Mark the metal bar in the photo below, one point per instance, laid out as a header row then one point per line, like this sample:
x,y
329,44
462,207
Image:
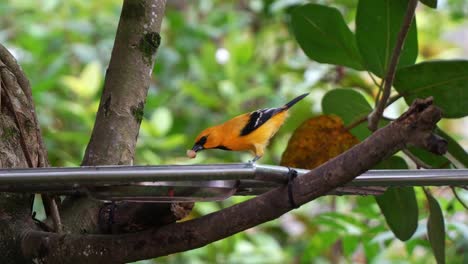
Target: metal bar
x,y
126,174
387,178
76,179
383,178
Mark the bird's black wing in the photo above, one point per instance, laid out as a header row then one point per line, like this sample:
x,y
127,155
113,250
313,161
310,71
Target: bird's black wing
x,y
258,118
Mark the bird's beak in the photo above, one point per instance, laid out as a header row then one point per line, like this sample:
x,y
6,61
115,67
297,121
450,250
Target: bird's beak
x,y
197,147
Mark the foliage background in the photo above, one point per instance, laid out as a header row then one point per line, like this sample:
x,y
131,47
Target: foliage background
x,y
219,59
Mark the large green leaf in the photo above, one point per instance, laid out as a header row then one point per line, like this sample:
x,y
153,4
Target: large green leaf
x,y
324,36
351,106
446,81
377,25
436,229
400,208
399,205
430,3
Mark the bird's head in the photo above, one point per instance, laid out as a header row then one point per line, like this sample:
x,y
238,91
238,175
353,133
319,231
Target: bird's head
x,y
207,139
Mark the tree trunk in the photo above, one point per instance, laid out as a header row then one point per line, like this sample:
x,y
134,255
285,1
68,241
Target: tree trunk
x,y
21,146
115,132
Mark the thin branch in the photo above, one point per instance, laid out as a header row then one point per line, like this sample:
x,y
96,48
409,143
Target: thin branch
x,y
361,120
460,200
55,215
379,85
375,116
43,226
418,122
374,80
356,123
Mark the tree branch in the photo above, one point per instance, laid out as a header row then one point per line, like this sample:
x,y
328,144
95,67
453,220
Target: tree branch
x,y
375,116
126,84
412,128
121,108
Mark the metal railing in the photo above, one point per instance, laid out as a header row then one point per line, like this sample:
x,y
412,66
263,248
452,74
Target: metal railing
x,y
195,182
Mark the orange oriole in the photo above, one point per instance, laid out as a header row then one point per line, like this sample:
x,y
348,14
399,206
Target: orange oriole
x,y
248,132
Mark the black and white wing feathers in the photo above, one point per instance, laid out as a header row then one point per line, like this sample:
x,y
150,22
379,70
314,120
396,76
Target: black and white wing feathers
x,y
258,118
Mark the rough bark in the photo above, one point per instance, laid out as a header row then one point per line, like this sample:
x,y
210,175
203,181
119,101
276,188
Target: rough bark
x,y
21,146
120,112
413,128
126,85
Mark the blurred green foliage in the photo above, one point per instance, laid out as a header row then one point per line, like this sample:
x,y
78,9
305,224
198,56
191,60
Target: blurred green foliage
x,y
219,59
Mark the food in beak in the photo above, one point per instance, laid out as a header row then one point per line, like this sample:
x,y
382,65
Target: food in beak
x,y
191,153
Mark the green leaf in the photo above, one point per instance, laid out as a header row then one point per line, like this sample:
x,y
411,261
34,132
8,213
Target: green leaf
x,y
351,106
436,228
430,3
446,81
399,205
324,36
457,151
435,161
378,23
394,162
400,208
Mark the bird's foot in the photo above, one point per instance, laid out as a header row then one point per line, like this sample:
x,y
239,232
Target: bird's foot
x,y
254,160
292,174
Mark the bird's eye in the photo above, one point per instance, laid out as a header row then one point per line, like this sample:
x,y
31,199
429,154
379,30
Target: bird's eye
x,y
202,140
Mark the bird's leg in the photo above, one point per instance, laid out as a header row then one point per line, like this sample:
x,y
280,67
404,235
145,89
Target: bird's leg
x,y
257,150
254,159
292,174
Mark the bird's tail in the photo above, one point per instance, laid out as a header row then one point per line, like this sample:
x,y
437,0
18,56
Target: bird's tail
x,y
294,101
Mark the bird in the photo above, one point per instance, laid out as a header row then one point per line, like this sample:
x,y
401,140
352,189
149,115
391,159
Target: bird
x,y
247,132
